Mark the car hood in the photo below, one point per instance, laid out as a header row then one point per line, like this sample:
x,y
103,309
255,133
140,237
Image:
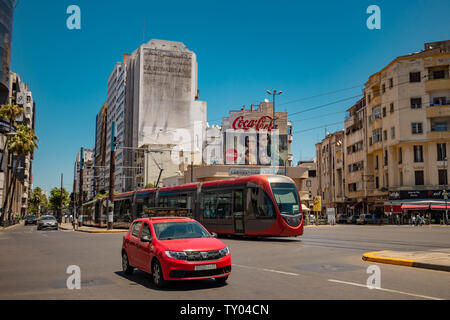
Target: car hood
x,y
196,244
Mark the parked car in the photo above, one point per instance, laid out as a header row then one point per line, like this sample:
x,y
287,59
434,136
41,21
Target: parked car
x,y
342,218
364,219
47,222
352,219
174,248
31,220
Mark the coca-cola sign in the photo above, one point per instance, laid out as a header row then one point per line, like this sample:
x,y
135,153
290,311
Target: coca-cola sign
x,y
264,123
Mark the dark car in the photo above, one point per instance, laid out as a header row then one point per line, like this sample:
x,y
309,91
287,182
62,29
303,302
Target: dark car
x,y
31,220
352,219
342,218
47,222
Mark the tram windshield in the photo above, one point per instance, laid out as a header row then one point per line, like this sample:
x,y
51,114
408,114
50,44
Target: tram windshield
x,y
286,196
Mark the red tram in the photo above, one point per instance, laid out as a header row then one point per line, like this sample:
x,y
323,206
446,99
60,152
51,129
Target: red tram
x,y
259,205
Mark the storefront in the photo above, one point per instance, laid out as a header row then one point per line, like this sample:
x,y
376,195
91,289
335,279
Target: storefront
x,y
404,205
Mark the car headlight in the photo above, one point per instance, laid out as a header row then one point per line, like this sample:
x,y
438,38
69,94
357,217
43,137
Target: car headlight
x,y
224,252
180,255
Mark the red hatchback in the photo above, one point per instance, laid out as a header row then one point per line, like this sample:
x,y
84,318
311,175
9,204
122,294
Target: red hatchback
x,y
174,248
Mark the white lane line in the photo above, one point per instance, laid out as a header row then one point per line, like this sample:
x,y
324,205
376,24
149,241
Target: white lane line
x,y
387,290
268,270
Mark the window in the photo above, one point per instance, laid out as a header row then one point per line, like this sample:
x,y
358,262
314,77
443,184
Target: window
x,y
392,132
384,112
442,173
418,154
439,101
391,108
416,127
416,103
441,151
439,126
401,178
146,231
311,173
414,77
377,183
238,201
386,180
261,206
391,83
352,187
376,162
418,174
439,74
209,201
376,135
385,157
135,229
224,204
385,135
376,113
383,88
400,156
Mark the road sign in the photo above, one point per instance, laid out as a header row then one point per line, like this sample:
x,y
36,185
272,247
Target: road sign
x,y
317,204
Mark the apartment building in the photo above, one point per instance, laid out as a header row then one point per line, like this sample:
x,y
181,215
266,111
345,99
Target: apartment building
x,y
355,158
408,128
88,175
330,171
101,173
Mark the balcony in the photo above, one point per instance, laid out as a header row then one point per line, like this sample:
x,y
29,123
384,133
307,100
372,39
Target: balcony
x,y
438,134
438,110
375,101
437,84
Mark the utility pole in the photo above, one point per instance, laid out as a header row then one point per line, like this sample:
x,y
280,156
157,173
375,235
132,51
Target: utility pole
x,y
192,167
80,196
112,169
274,93
61,201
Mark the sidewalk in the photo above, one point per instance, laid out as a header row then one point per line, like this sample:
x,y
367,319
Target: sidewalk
x,y
68,226
435,259
13,226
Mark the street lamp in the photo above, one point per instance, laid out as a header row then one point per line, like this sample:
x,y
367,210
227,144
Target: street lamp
x,y
274,93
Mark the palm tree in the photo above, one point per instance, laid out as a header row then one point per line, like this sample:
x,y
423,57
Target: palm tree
x,y
10,112
22,144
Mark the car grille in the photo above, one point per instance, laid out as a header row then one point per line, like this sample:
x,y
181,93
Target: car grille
x,y
203,256
199,273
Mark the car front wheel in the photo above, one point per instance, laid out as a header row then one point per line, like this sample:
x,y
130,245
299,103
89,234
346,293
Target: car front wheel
x,y
157,275
126,265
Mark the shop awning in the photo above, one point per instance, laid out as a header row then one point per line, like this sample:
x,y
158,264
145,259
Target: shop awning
x,y
440,206
305,208
415,206
393,208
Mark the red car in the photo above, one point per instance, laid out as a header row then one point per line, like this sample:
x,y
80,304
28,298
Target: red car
x,y
174,248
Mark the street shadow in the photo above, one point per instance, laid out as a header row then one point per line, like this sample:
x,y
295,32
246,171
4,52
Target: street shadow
x,y
144,279
261,239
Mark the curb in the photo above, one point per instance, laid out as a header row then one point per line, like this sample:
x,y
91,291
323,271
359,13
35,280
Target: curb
x,y
371,256
11,227
96,231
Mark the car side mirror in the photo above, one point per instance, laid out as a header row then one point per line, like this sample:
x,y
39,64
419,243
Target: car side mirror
x,y
146,239
214,235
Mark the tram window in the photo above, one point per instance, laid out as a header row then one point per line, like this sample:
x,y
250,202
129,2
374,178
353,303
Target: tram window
x,y
182,202
139,208
172,202
238,201
117,205
224,204
260,203
126,210
209,205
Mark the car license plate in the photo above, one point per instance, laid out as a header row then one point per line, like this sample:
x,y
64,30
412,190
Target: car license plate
x,y
206,267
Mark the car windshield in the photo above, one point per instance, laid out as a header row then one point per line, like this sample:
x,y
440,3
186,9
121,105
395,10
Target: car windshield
x,y
31,217
48,218
286,196
180,230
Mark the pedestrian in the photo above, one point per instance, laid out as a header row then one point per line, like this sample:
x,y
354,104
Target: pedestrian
x,y
422,220
417,220
413,220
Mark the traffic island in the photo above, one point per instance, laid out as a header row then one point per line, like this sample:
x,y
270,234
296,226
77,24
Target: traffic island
x,y
434,259
68,226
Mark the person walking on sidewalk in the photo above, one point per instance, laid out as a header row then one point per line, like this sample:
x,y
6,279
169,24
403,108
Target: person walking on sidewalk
x,y
422,220
413,220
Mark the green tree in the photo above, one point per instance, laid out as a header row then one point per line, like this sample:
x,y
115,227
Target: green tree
x,y
22,145
55,198
10,112
149,186
38,201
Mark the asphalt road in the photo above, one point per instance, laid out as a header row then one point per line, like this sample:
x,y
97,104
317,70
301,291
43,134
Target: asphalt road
x,y
325,263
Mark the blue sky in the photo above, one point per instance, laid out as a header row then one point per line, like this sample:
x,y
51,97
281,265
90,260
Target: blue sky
x,y
304,48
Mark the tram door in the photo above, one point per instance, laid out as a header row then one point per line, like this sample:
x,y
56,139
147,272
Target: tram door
x,y
238,212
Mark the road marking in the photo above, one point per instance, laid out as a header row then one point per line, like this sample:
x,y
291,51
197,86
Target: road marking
x,y
268,270
383,289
